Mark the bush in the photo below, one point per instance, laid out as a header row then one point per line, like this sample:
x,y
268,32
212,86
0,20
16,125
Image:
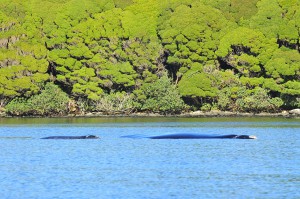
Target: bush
x,y
241,99
206,107
82,105
52,100
161,96
18,106
290,101
257,100
120,102
224,99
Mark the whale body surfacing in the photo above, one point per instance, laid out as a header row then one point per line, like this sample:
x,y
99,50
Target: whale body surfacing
x,y
72,137
201,136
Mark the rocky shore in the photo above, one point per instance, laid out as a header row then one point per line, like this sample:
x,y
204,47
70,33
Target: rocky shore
x,y
295,113
194,114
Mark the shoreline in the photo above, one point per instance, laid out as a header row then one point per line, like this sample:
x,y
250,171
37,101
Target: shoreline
x,y
295,113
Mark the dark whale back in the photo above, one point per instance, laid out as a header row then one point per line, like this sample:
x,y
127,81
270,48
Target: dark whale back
x,y
200,136
72,137
246,137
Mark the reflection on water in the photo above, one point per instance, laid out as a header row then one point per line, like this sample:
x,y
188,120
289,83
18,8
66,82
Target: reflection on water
x,y
3,137
113,167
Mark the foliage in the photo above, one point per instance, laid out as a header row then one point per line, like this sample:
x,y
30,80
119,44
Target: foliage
x,y
206,107
225,53
52,100
197,84
190,34
113,103
161,96
241,99
18,106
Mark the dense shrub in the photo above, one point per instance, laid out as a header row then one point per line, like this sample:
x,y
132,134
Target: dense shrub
x,y
205,107
18,106
119,102
52,100
291,102
161,96
242,99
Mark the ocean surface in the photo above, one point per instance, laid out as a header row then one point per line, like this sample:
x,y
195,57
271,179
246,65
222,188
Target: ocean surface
x,y
116,167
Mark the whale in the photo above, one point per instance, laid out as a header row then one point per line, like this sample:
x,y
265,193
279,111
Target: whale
x,y
202,136
72,137
192,136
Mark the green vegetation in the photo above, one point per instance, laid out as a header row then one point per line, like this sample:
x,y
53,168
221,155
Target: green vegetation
x,y
169,56
52,100
160,96
115,103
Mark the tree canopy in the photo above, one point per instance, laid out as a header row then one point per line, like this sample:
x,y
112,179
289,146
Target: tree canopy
x,y
221,53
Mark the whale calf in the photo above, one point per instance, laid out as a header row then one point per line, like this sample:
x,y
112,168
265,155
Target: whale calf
x,y
72,137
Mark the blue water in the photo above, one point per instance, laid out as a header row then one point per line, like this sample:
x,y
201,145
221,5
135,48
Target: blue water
x,y
115,167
